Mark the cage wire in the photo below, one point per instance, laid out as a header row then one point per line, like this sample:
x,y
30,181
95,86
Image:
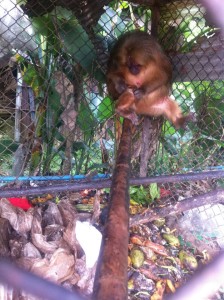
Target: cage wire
x,y
187,30
55,114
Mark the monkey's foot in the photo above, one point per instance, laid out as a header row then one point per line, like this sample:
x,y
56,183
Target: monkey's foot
x,y
182,122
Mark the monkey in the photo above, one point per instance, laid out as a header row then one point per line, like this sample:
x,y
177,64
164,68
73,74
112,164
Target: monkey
x,y
139,78
128,107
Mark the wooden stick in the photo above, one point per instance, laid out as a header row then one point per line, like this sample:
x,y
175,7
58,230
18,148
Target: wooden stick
x,y
111,275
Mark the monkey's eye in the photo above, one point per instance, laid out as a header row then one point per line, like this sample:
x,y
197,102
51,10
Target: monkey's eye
x,y
135,69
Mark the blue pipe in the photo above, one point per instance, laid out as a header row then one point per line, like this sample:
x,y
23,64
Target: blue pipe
x,y
46,178
221,168
80,177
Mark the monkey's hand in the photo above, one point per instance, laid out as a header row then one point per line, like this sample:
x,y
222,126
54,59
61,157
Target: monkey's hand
x,y
125,106
139,93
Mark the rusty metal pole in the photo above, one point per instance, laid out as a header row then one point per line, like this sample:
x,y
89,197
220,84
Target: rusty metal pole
x,y
111,275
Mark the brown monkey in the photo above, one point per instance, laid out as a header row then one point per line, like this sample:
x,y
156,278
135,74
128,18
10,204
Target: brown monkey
x,y
139,77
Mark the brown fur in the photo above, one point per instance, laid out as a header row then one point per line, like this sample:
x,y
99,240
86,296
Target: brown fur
x,y
139,78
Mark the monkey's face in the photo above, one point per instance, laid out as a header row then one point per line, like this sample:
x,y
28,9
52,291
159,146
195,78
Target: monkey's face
x,y
134,77
133,67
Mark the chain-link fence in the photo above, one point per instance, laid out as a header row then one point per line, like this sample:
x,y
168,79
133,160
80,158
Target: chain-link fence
x,y
56,117
57,120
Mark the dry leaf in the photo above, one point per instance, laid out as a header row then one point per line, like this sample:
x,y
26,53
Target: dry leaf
x,y
160,288
5,232
59,268
19,219
67,211
157,248
69,235
38,239
52,215
29,250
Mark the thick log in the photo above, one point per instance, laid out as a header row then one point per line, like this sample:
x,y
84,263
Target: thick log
x,y
111,275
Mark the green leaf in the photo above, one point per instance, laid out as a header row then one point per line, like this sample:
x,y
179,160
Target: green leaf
x,y
86,121
8,146
79,146
154,191
170,144
43,25
133,190
76,42
105,109
168,129
62,13
32,78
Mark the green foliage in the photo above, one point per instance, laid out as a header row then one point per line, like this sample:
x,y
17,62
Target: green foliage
x,y
105,109
59,34
154,191
210,109
144,195
40,76
86,121
6,164
201,144
77,43
7,146
186,35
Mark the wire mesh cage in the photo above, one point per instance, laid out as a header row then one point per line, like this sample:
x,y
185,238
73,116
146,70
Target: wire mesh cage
x,y
57,119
